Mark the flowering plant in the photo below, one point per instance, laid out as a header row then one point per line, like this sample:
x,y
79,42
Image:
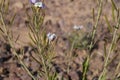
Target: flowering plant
x,y
37,3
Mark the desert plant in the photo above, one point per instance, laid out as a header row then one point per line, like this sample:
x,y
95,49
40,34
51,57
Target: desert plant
x,y
43,41
7,33
115,39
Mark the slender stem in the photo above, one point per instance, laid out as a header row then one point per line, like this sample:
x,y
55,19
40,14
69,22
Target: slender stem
x,y
96,24
110,50
12,46
70,57
24,66
40,51
21,62
4,25
107,58
117,70
92,40
86,67
114,39
43,61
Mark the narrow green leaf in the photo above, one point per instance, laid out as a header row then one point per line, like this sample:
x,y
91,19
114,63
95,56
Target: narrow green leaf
x,y
105,51
31,28
118,14
12,19
32,38
85,67
113,13
41,18
108,24
114,5
103,77
6,6
86,64
1,4
17,38
93,13
118,38
1,30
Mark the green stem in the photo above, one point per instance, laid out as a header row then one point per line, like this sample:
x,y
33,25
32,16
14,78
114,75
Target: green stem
x,y
92,39
96,24
21,62
110,50
44,64
42,56
3,23
12,46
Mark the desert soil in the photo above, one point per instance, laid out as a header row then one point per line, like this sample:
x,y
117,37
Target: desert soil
x,y
61,16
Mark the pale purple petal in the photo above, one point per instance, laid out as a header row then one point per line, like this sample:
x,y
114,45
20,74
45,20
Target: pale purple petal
x,y
33,1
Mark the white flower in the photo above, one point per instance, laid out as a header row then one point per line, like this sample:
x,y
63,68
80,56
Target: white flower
x,y
39,4
51,36
77,27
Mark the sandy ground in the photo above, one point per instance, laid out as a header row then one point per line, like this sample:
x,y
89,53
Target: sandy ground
x,y
61,16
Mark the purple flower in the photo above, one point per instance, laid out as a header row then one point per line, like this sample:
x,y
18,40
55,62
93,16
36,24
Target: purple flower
x,y
38,3
33,1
